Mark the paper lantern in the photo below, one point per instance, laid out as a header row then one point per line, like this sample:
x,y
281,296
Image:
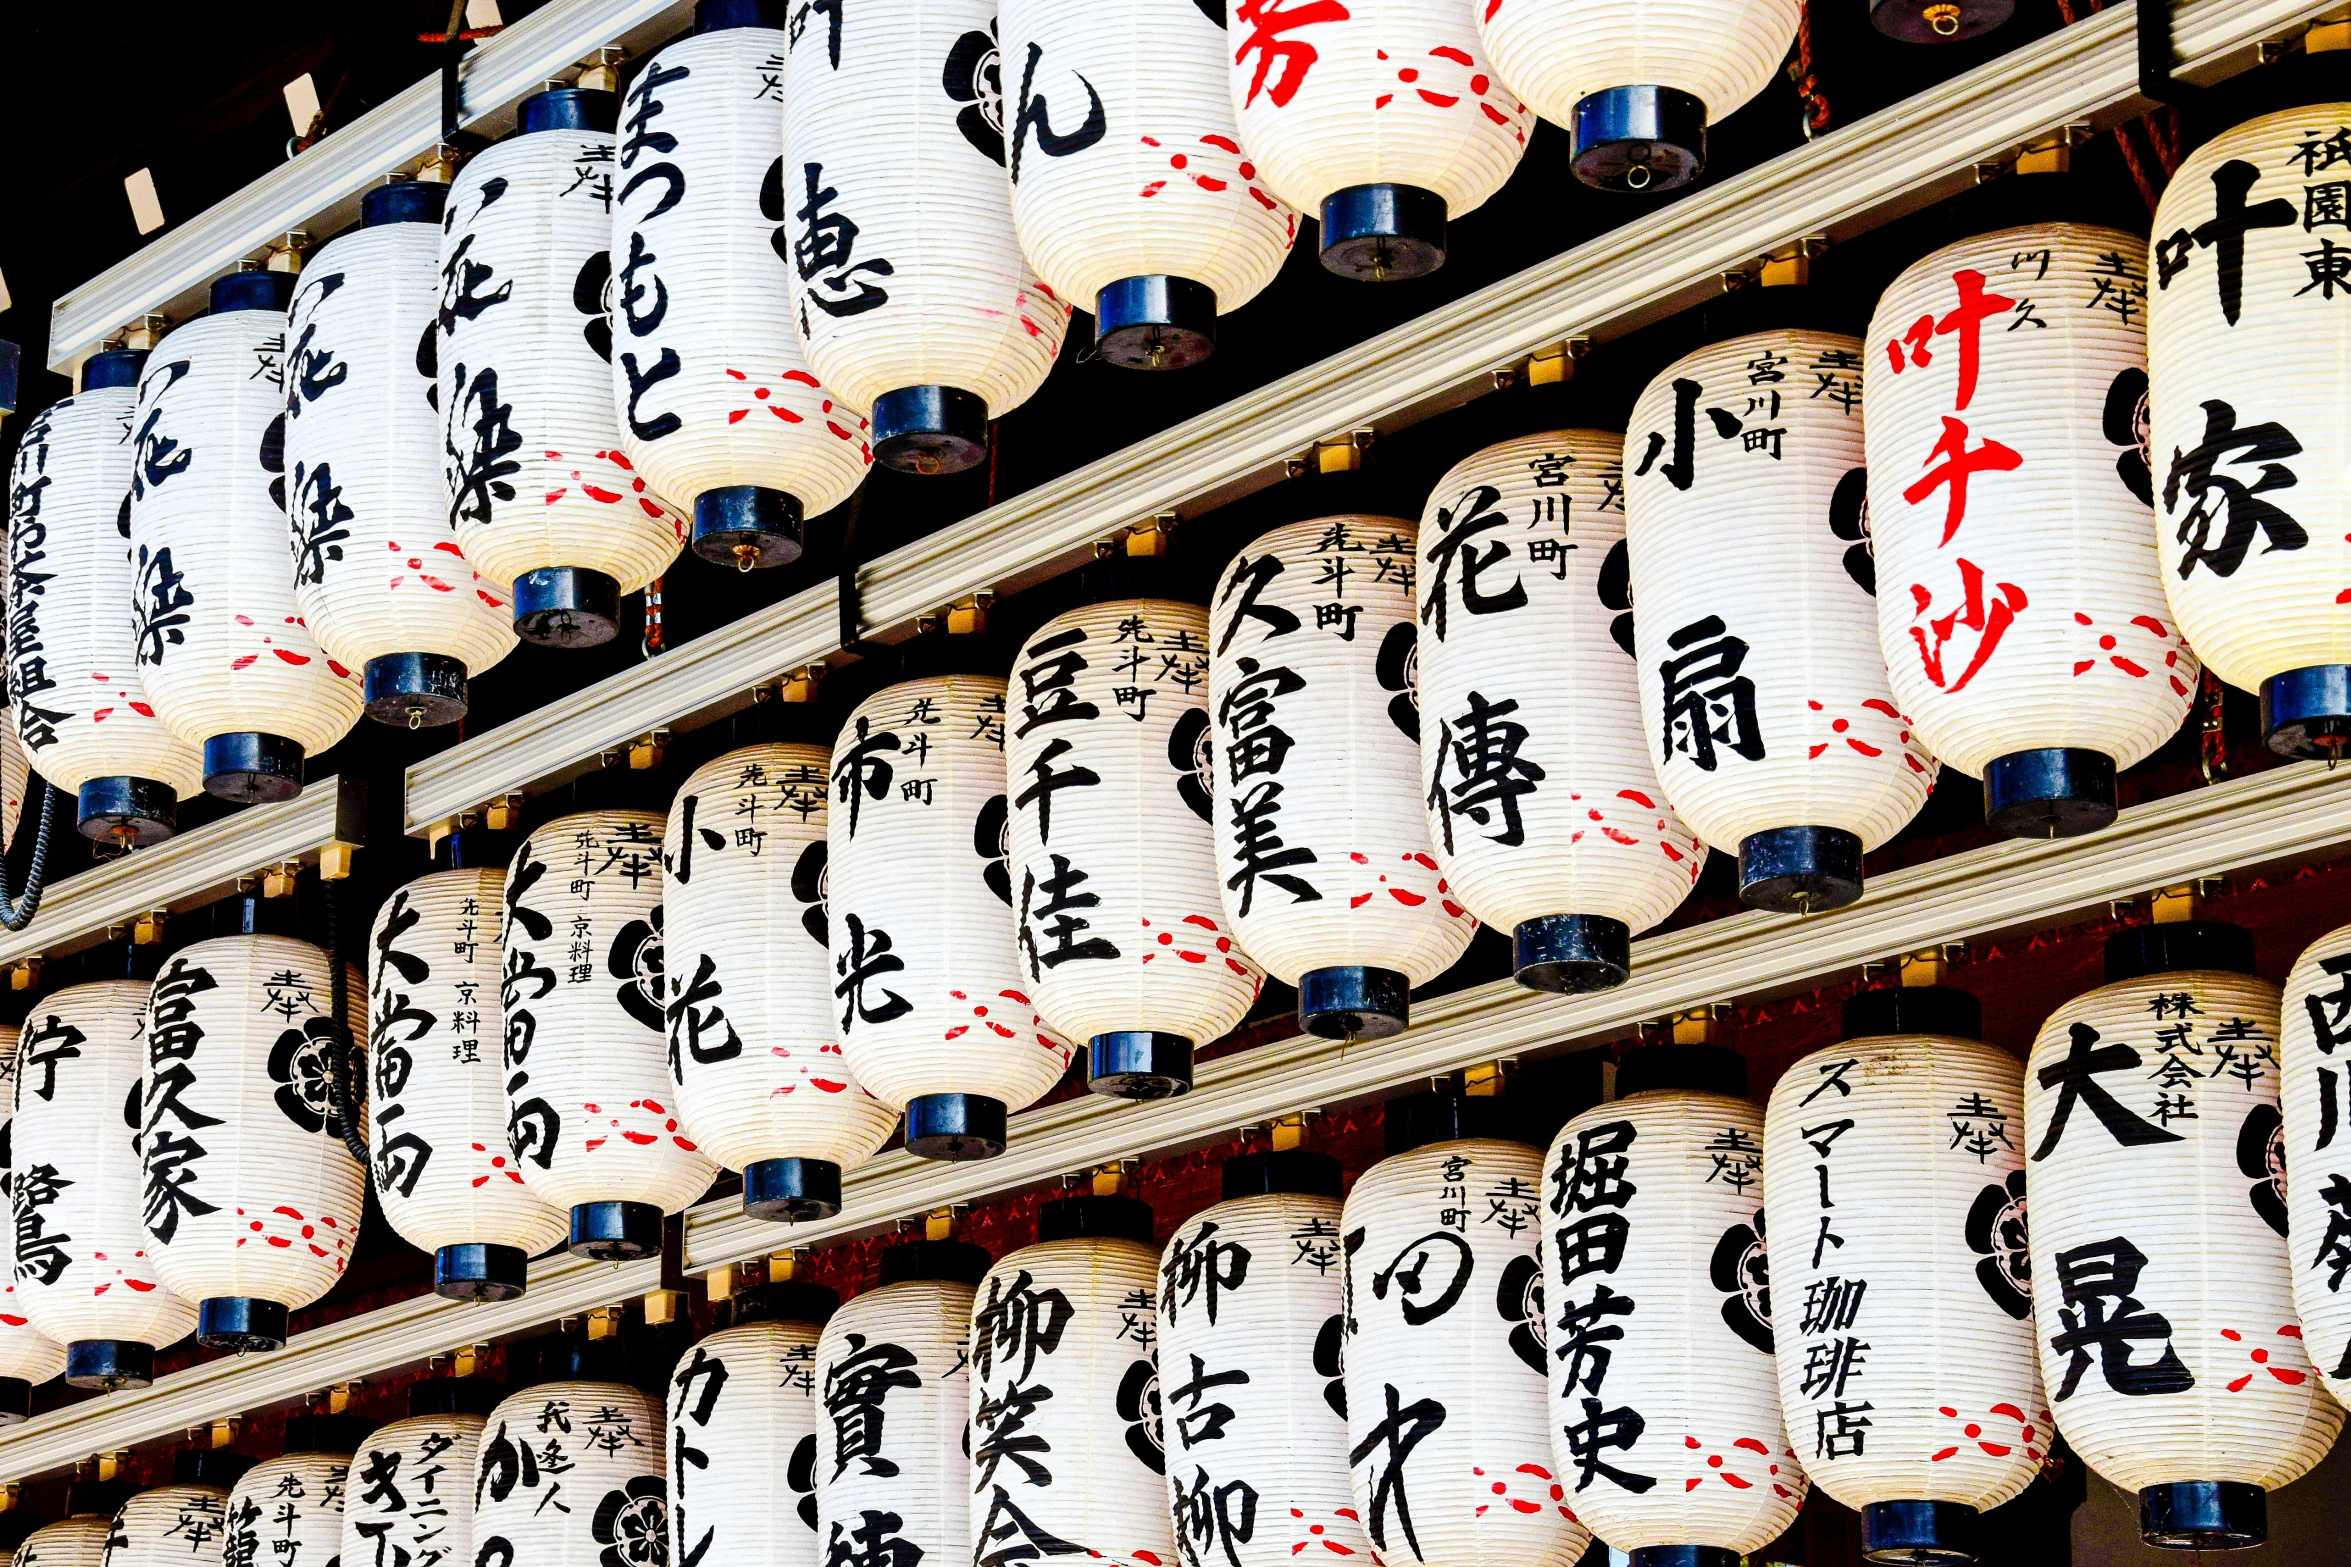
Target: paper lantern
x,y
184,1524
1382,116
377,569
743,1409
2250,413
1903,1324
1065,1393
27,1356
1131,188
411,1500
1666,1421
444,1174
1541,797
288,1511
222,650
16,777
252,1201
79,1539
933,1007
912,297
73,666
2316,1022
604,1498
1635,83
761,1082
719,408
1444,1348
541,493
1763,693
1938,21
85,1267
2023,622
1330,876
1113,857
590,1117
2162,1291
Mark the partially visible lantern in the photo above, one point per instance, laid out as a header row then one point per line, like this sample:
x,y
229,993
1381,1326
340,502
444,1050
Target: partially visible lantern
x,y
2249,373
1330,879
79,1538
1763,693
1131,189
590,1120
183,1524
288,1511
16,778
1113,854
2316,1024
761,1082
743,1401
542,496
27,1356
1541,797
614,1491
222,649
424,1518
2162,1288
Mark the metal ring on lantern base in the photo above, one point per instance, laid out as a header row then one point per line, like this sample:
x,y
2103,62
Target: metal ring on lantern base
x,y
125,809
615,1231
1354,1002
566,606
1572,954
16,1401
2204,1515
415,690
1938,21
1139,1064
1155,322
786,1191
1682,1556
746,526
1639,138
929,430
954,1128
481,1271
1800,870
1383,233
2307,712
2052,793
251,768
242,1324
109,1363
1918,1534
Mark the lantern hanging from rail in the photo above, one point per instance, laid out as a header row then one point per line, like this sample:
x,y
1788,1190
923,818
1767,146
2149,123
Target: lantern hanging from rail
x,y
2250,412
289,1509
746,1399
590,1117
2158,1199
79,1538
913,299
1132,190
542,495
27,1355
80,706
1938,21
183,1524
222,648
617,1484
1772,731
426,1515
2316,1022
1541,795
377,569
1330,879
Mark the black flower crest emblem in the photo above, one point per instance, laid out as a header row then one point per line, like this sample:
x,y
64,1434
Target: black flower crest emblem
x,y
302,1065
1399,671
1849,520
632,1524
635,960
1519,1298
974,77
2130,426
2261,1155
1191,751
810,888
991,840
1996,1233
800,1475
1616,593
1330,1362
1138,1406
1743,1273
591,296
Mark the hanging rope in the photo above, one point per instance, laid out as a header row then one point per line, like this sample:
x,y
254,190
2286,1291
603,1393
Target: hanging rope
x,y
652,641
348,1075
2150,169
1801,72
18,908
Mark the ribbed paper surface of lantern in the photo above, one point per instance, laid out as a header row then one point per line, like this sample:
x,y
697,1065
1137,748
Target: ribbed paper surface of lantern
x,y
26,1354
221,644
1444,1361
80,705
572,1474
1113,855
1763,693
752,1048
420,1512
2157,1158
1906,1363
2020,606
930,993
2316,1022
288,1512
79,1541
377,568
1559,52
249,1190
2249,356
171,1526
742,1402
903,1473
532,465
437,1122
896,112
16,778
1312,678
1124,155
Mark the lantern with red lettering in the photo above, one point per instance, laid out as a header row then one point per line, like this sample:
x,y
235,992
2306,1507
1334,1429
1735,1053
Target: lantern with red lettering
x,y
746,1399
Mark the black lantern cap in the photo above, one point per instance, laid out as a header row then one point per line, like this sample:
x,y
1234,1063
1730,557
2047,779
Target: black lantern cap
x,y
929,429
566,606
1639,138
97,1498
1354,1002
2056,792
1139,1065
2204,1515
1912,1009
1697,1069
252,291
786,1300
574,1357
127,809
115,367
2307,712
948,1262
1416,1120
1282,1171
1155,322
615,1231
16,1401
109,1363
1571,954
955,1128
1800,870
1095,1218
209,1466
415,690
569,109
1938,21
1383,233
323,1433
403,201
241,1324
1683,1556
789,1191
481,1270
454,1396
747,526
252,768
717,16
2140,950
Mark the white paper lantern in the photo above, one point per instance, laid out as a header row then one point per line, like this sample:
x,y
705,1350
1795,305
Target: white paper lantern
x,y
1132,190
27,1355
1113,863
224,655
2249,371
719,410
184,1524
78,1541
411,1496
73,666
572,1474
444,1174
934,1011
540,491
16,777
1541,797
85,1267
1904,1323
590,1117
377,568
2162,1289
288,1512
1665,1408
1763,692
743,1412
2316,1022
1330,877
1635,83
912,296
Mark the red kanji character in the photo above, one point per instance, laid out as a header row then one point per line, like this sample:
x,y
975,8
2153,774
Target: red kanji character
x,y
1967,319
1959,464
1267,20
1989,622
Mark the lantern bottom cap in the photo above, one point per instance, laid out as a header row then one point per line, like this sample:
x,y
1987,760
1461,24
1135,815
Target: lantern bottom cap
x,y
566,606
615,1231
1354,1002
786,1191
2307,712
1155,322
747,526
2204,1515
415,690
1799,870
241,1324
481,1270
929,429
252,768
128,809
1938,21
2056,792
109,1363
1639,138
1383,233
16,1401
1139,1064
954,1128
1682,1556
1918,1533
1572,954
